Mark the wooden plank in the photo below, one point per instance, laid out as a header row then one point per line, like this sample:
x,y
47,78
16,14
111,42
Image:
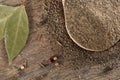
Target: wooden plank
x,y
47,28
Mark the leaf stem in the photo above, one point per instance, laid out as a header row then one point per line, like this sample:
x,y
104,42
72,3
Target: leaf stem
x,y
10,61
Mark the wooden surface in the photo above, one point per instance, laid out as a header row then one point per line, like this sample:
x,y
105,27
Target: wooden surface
x,y
48,38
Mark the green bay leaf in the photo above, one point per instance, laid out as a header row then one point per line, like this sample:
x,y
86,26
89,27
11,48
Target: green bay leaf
x,y
2,27
5,12
16,32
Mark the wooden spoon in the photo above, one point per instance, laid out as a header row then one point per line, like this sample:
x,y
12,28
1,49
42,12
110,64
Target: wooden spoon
x,y
93,24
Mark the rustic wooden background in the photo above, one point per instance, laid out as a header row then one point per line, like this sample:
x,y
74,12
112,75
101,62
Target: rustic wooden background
x,y
48,38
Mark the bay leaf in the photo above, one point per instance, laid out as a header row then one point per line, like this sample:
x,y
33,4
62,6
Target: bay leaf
x,y
2,26
16,32
5,12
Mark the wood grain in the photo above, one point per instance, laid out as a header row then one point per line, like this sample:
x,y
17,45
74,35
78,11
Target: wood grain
x,y
48,37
